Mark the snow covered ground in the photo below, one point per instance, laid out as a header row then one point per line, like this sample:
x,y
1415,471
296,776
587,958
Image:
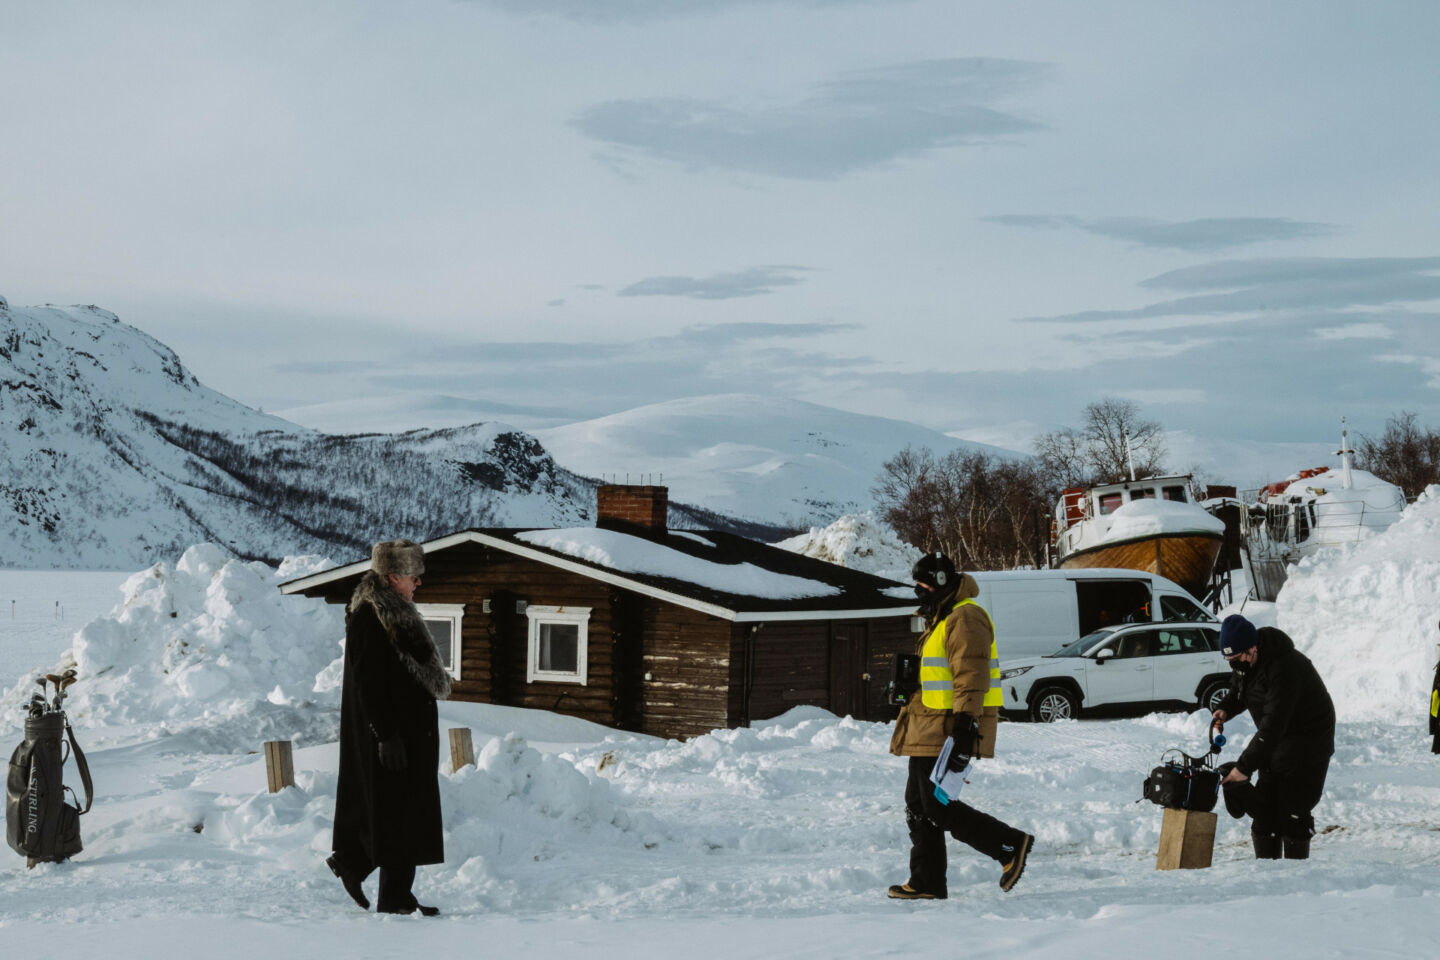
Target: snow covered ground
x,y
775,840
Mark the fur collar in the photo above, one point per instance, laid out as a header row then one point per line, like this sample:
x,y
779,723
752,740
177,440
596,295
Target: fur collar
x,y
407,632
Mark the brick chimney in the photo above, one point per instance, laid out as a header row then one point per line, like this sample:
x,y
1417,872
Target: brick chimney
x,y
619,506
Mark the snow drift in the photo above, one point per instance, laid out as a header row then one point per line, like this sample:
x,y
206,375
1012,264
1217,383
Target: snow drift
x,y
210,647
1366,614
858,541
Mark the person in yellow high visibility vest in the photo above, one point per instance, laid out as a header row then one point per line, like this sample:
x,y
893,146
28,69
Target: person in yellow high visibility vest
x,y
1435,711
958,700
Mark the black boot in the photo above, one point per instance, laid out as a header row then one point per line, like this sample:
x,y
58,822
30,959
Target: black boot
x,y
1267,844
1297,848
349,880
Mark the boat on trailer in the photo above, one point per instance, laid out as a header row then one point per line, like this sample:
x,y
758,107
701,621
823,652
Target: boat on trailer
x,y
1153,524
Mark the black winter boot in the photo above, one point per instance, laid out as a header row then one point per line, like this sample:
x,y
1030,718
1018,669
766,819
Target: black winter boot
x,y
348,880
1267,844
1297,848
903,891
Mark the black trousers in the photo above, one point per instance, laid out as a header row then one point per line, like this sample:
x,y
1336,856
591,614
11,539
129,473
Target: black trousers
x,y
395,880
1280,798
929,820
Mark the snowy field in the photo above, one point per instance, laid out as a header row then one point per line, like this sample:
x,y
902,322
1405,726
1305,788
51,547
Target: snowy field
x,y
776,840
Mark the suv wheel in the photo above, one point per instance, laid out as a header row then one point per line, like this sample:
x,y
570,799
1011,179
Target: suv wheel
x,y
1214,692
1054,703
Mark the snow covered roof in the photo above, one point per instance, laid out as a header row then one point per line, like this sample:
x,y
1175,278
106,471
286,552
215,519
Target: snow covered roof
x,y
710,571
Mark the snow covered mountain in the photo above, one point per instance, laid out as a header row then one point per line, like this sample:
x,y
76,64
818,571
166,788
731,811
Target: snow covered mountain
x,y
114,455
773,460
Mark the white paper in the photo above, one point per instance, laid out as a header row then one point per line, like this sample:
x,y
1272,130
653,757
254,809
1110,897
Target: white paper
x,y
949,783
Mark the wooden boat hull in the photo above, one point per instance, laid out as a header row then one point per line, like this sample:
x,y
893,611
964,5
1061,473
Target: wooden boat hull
x,y
1186,558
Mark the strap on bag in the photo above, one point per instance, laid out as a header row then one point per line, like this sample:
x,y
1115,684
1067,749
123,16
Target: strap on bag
x,y
84,767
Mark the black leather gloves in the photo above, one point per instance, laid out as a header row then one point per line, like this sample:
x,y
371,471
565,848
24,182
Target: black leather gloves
x,y
392,754
966,734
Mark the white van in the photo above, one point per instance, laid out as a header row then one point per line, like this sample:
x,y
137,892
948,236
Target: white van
x,y
1036,612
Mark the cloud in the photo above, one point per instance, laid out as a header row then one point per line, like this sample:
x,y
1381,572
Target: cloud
x,y
1356,331
1196,236
638,11
857,121
1273,286
721,286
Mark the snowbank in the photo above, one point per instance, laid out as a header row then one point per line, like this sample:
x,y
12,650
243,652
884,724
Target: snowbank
x,y
1149,518
212,647
858,541
1366,614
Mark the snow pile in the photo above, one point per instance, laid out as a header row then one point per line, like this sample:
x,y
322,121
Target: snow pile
x,y
628,554
211,646
1151,517
858,541
1366,614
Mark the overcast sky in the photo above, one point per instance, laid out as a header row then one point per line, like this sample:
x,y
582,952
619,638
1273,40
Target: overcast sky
x,y
978,216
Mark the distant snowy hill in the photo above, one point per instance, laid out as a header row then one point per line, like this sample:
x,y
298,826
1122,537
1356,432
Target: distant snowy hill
x,y
115,455
767,459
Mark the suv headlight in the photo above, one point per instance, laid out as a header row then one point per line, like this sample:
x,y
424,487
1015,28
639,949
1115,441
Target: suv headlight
x,y
1014,672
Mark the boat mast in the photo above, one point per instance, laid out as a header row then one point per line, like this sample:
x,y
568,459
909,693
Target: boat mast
x,y
1344,451
1129,460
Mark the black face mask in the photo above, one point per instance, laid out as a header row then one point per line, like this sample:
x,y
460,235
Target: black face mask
x,y
1240,667
923,593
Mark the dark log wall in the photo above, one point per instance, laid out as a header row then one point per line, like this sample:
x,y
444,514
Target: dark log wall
x,y
686,656
792,663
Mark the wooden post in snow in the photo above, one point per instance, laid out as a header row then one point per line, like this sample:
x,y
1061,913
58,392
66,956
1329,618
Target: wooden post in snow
x,y
1187,840
279,767
462,748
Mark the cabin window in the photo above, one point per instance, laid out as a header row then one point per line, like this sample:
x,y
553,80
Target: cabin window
x,y
559,643
1145,494
443,621
1109,503
1175,493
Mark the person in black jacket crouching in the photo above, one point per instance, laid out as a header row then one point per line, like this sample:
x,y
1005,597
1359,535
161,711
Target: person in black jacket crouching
x,y
1294,737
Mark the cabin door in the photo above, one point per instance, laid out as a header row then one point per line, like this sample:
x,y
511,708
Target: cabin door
x,y
850,677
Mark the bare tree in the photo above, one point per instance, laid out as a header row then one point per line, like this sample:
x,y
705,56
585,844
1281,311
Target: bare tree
x,y
983,512
1065,457
1405,454
1097,453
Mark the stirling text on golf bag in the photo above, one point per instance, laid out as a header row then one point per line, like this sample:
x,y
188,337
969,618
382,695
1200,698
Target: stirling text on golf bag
x,y
39,823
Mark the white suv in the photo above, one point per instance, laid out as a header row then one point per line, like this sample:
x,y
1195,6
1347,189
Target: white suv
x,y
1130,668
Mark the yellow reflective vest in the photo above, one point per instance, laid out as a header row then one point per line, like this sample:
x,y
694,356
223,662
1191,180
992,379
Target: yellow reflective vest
x,y
937,682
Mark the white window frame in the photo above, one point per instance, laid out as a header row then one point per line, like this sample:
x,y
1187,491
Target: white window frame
x,y
455,613
537,615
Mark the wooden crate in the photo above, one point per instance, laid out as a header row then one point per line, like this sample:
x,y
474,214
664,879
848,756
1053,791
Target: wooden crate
x,y
1187,840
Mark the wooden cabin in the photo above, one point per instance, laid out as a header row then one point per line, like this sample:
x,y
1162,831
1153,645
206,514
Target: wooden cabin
x,y
635,626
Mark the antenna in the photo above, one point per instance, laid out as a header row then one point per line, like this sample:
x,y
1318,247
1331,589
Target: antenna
x,y
1344,452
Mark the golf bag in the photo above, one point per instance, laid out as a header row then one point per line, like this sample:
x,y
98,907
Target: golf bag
x,y
40,824
1184,782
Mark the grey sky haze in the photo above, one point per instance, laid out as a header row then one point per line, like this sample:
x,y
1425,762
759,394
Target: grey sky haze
x,y
975,216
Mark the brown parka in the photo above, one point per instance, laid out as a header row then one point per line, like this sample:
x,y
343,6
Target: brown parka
x,y
920,731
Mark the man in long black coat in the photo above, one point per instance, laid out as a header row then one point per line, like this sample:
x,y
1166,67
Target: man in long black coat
x,y
1294,737
387,801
